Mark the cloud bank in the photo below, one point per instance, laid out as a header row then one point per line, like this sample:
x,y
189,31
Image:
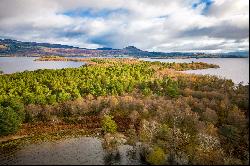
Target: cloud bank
x,y
159,25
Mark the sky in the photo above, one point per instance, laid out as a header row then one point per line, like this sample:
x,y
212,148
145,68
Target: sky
x,y
152,25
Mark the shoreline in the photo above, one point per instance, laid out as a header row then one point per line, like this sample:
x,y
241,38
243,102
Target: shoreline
x,y
66,131
108,61
79,56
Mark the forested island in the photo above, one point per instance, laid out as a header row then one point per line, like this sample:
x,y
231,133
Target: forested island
x,y
96,61
178,118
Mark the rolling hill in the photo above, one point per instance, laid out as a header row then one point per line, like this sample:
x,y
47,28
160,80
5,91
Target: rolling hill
x,y
9,47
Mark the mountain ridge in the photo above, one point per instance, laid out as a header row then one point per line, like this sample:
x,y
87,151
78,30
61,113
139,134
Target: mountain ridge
x,y
9,47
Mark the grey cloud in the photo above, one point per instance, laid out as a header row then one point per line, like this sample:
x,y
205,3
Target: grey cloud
x,y
221,31
228,7
167,25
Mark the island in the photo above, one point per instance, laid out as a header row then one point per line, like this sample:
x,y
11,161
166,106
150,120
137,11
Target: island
x,y
96,61
177,118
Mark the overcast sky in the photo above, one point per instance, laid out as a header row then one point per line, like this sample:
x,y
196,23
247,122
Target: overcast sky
x,y
153,25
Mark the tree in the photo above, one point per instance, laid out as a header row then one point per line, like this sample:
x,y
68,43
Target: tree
x,y
10,121
108,125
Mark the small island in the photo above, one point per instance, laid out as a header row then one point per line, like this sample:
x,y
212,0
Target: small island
x,y
109,61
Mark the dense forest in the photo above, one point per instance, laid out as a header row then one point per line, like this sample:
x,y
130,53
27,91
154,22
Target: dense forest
x,y
179,118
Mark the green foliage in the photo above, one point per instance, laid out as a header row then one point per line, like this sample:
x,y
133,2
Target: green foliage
x,y
146,91
10,121
185,66
52,86
156,157
163,87
98,60
171,87
108,125
15,104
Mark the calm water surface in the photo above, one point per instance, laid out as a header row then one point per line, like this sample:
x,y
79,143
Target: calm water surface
x,y
236,69
75,151
18,64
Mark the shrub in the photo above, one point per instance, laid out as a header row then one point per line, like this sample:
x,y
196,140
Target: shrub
x,y
29,118
10,121
108,125
145,136
31,113
51,99
156,157
172,91
164,133
210,116
146,91
16,105
43,116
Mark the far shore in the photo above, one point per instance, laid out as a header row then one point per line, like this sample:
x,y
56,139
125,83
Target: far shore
x,y
86,56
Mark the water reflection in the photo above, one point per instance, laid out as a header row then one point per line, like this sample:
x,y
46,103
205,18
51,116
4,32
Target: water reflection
x,y
112,158
124,155
85,150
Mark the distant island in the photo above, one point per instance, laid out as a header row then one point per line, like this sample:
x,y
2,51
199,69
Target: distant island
x,y
9,47
94,61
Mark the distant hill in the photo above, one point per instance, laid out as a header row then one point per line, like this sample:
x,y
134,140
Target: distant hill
x,y
132,49
237,54
10,47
